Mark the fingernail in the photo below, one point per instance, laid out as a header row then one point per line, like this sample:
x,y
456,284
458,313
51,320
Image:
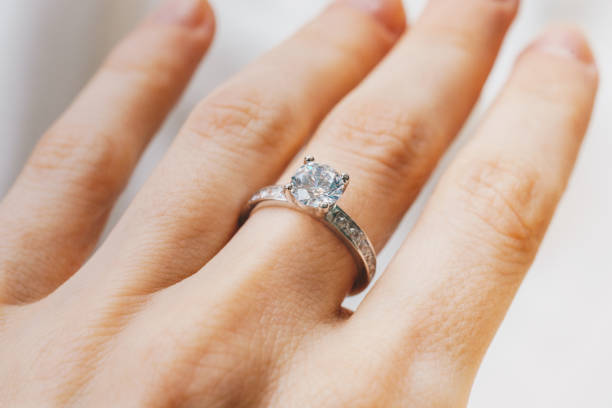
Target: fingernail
x,y
565,42
190,13
389,13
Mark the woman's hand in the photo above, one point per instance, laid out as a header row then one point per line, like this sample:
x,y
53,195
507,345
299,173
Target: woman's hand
x,y
177,308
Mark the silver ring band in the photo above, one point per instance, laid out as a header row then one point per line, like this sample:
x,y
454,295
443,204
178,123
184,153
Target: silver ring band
x,y
334,217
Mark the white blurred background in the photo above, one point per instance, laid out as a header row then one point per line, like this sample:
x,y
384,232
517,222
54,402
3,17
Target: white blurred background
x,y
553,350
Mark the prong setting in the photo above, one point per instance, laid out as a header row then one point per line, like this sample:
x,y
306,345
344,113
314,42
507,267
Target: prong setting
x,y
346,178
288,192
322,210
316,187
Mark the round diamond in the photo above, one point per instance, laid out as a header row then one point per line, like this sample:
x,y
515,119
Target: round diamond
x,y
315,184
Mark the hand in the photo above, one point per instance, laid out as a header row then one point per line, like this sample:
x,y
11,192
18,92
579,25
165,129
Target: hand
x,y
178,308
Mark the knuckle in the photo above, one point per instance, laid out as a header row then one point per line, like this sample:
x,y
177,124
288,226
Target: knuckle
x,y
159,60
215,359
218,369
548,89
507,197
90,163
244,122
353,54
494,17
157,76
391,141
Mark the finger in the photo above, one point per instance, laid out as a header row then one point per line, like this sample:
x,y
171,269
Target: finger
x,y
388,135
448,288
55,212
240,138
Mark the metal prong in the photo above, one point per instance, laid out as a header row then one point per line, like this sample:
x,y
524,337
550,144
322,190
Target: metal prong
x,y
308,159
322,210
346,178
288,190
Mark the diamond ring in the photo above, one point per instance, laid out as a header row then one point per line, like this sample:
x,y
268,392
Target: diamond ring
x,y
314,189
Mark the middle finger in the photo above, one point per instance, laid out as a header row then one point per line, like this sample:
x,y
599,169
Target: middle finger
x,y
237,140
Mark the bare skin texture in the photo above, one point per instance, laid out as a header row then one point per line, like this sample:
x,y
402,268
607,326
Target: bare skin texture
x,y
178,308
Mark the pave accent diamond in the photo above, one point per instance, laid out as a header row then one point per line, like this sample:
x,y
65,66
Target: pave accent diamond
x,y
355,235
316,185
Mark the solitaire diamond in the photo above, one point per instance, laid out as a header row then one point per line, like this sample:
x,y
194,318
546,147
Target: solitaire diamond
x,y
317,185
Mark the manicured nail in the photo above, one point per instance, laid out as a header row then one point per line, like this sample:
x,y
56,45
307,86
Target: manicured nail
x,y
565,42
190,13
389,12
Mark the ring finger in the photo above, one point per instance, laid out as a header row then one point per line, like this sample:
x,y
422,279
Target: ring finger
x,y
388,135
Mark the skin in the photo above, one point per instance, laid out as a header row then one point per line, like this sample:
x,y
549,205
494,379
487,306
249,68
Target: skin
x,y
179,308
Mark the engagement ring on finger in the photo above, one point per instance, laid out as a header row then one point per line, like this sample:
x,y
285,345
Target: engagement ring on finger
x,y
314,189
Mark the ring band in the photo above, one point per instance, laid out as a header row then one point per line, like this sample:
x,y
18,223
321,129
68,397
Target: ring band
x,y
314,189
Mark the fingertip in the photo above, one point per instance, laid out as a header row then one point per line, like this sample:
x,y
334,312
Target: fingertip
x,y
565,41
187,13
390,13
